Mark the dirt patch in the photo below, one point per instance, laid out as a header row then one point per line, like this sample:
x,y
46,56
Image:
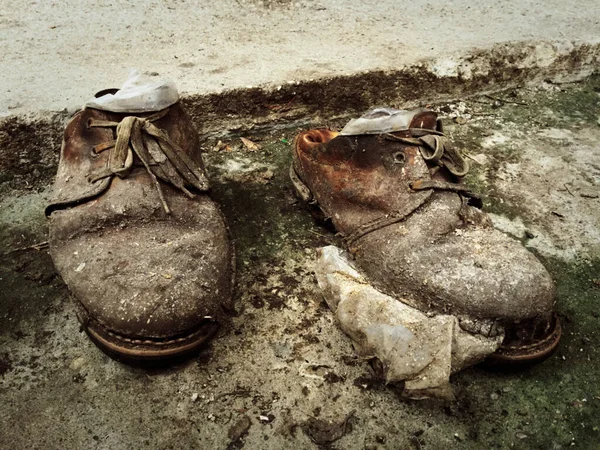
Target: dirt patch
x,y
283,362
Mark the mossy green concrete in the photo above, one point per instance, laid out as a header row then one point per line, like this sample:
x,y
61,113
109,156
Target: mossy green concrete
x,y
557,402
552,405
520,113
59,391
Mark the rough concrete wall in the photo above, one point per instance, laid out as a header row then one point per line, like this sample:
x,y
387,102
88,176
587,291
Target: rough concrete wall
x,y
29,144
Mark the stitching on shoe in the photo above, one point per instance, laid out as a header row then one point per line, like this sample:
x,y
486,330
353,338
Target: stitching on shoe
x,y
550,338
544,341
389,219
156,342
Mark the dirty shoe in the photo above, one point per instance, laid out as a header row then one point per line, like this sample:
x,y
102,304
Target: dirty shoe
x,y
390,183
134,234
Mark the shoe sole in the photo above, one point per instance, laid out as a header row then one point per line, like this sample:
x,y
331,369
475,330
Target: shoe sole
x,y
147,352
515,357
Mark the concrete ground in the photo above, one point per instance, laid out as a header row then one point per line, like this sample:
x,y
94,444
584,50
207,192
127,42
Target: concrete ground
x,y
281,374
55,54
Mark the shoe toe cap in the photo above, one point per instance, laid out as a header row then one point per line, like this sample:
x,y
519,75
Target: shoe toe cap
x,y
473,272
485,273
154,280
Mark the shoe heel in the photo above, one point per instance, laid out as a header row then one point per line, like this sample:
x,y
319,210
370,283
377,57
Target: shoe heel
x,y
300,189
305,195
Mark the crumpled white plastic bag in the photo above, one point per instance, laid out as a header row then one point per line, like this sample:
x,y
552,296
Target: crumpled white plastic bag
x,y
140,93
420,350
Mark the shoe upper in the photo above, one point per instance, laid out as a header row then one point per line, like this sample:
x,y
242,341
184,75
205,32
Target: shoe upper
x,y
408,222
80,159
138,269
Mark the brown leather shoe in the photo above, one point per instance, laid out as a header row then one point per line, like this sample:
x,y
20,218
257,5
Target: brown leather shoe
x,y
414,229
142,247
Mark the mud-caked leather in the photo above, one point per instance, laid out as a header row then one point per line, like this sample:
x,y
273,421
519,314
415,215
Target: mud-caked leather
x,y
146,281
427,246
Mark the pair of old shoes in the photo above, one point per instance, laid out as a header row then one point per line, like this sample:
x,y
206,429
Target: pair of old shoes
x,y
147,254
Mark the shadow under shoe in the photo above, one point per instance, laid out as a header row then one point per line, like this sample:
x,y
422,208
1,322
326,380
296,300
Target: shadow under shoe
x,y
410,226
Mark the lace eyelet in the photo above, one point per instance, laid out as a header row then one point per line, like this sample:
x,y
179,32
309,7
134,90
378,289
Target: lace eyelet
x,y
399,158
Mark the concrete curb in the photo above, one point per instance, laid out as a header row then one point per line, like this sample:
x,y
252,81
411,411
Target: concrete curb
x,y
456,76
29,143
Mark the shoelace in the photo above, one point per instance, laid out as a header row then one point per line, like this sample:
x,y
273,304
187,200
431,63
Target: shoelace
x,y
161,157
435,148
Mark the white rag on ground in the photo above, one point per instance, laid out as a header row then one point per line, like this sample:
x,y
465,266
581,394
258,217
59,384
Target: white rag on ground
x,y
420,350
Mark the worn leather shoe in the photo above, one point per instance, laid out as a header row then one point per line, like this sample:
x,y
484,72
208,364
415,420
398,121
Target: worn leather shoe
x,y
144,250
391,184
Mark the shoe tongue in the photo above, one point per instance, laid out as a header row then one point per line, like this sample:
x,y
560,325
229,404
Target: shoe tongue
x,y
387,120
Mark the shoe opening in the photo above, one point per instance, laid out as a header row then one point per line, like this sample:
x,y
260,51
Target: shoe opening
x,y
315,137
104,92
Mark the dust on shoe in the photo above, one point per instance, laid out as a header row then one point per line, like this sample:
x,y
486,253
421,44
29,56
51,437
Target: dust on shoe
x,y
144,250
391,184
